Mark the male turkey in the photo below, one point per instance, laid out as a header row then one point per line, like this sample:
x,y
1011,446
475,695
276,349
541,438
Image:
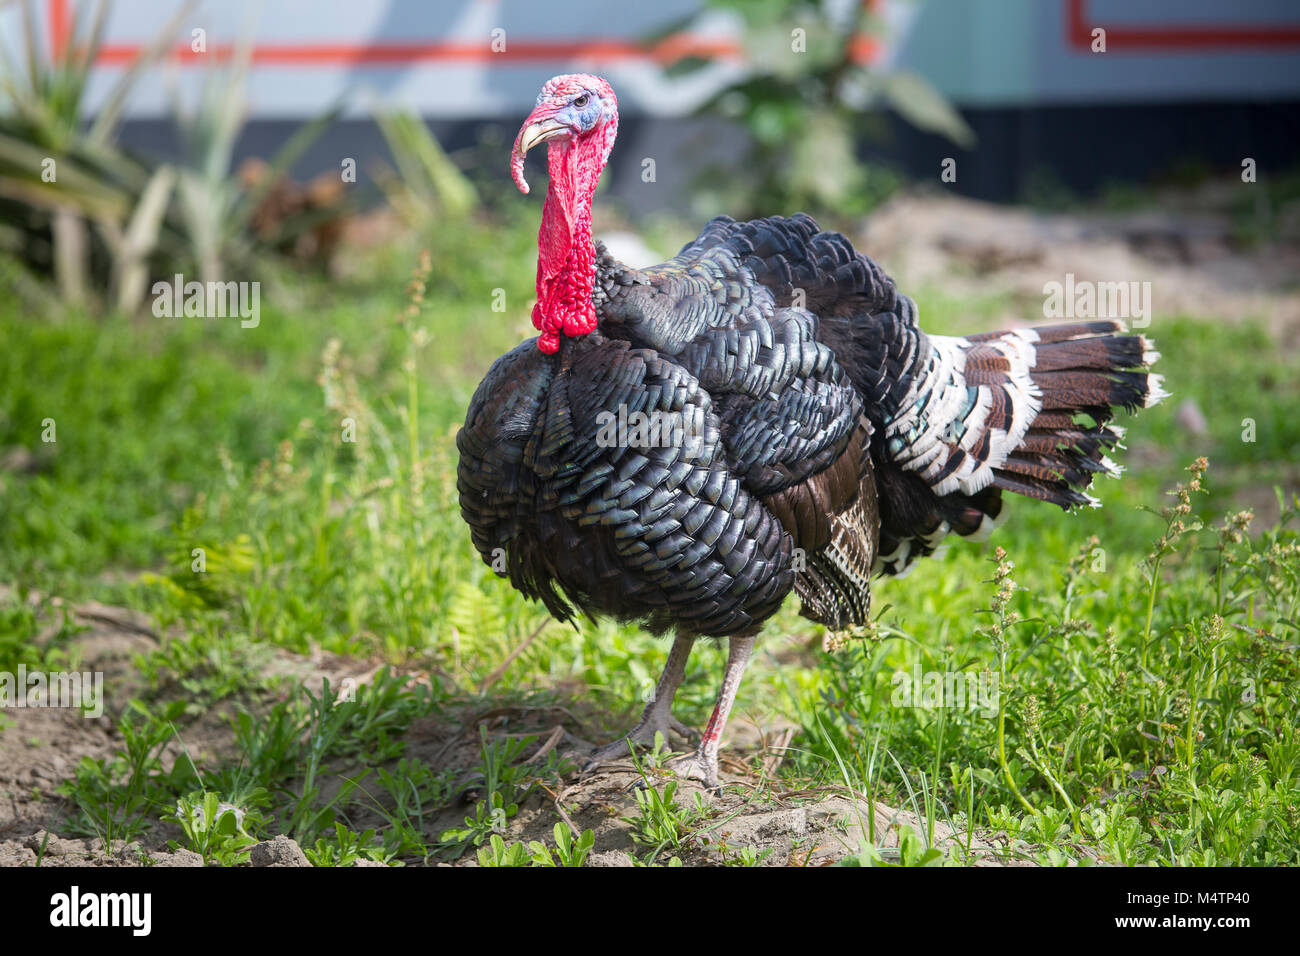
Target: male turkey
x,y
684,445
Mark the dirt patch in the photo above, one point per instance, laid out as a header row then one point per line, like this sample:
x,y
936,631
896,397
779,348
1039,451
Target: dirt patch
x,y
46,849
806,828
780,827
40,747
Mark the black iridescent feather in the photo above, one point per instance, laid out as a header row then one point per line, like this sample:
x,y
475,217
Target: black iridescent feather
x,y
828,438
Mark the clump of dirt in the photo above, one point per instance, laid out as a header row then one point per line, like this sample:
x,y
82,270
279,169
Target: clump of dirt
x,y
280,851
46,849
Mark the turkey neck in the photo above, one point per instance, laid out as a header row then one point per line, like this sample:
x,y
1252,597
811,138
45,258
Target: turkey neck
x,y
566,252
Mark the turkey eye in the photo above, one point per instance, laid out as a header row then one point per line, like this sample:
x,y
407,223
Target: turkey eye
x,y
582,101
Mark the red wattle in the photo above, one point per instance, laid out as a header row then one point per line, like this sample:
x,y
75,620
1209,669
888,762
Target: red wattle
x,y
566,253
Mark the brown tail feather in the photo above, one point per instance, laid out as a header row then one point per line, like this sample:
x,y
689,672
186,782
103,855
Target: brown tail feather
x,y
1079,369
1078,388
1025,411
1057,492
1108,352
1092,443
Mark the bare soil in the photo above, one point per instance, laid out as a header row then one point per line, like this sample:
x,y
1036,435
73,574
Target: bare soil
x,y
40,747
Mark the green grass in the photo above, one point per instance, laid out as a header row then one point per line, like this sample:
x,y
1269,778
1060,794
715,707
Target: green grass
x,y
1146,712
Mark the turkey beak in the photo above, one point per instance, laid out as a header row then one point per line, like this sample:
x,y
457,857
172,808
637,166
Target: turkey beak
x,y
539,132
532,133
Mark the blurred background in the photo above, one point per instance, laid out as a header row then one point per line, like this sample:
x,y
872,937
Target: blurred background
x,y
1184,86
746,107
206,508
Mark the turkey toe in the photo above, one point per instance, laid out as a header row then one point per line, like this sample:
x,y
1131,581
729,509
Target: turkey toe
x,y
696,766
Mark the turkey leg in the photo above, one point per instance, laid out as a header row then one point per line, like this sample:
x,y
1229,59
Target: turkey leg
x,y
703,764
658,716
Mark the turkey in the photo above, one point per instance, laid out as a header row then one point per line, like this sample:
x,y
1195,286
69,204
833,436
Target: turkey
x,y
684,445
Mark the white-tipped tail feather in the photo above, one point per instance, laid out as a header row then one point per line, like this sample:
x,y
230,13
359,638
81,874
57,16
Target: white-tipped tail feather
x,y
1026,411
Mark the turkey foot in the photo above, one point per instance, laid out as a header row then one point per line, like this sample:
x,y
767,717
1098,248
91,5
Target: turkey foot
x,y
658,716
643,734
701,766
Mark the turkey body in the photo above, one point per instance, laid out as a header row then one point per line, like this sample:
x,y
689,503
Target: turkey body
x,y
761,414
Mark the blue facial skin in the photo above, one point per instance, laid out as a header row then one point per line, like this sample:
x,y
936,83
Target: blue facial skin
x,y
585,119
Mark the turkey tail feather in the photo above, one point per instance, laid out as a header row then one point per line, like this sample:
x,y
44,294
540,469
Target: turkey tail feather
x,y
1082,373
1026,411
